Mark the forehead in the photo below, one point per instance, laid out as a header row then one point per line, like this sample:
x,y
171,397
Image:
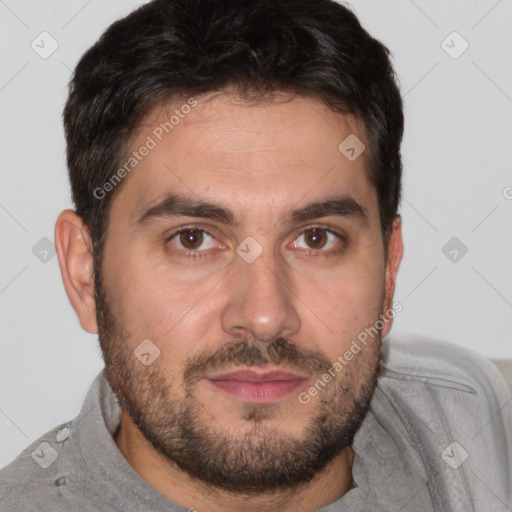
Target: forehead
x,y
252,156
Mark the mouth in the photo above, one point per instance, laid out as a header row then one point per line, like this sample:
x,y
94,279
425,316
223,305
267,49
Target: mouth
x,y
254,386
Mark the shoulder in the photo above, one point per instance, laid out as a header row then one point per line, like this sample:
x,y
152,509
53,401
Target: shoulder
x,y
34,477
46,474
449,387
454,408
441,364
443,392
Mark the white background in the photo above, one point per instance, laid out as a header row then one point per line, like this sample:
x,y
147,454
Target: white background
x,y
457,166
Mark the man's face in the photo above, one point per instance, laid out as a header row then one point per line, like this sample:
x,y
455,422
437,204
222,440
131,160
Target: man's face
x,y
248,304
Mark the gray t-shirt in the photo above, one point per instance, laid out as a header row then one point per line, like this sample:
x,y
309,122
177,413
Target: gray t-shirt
x,y
438,437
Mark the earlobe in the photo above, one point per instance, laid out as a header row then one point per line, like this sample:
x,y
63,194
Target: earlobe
x,y
395,253
74,251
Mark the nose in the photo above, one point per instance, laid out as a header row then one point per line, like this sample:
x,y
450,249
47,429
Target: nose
x,y
261,302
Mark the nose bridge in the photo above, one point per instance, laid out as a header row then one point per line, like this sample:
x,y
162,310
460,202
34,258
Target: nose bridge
x,y
261,303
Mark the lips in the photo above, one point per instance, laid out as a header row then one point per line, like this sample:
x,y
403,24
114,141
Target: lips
x,y
257,386
255,376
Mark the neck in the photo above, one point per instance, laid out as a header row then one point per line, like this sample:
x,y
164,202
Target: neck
x,y
328,486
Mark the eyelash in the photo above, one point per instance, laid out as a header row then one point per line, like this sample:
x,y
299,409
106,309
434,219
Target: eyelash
x,y
313,253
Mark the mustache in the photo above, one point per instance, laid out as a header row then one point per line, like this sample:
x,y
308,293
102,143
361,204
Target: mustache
x,y
248,353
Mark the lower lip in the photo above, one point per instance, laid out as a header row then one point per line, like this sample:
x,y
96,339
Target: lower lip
x,y
258,392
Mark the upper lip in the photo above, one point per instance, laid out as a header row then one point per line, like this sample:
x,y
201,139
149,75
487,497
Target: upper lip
x,y
257,376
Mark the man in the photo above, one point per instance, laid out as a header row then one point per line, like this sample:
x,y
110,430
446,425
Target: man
x,y
235,168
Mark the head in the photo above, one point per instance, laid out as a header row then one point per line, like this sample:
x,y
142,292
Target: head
x,y
235,168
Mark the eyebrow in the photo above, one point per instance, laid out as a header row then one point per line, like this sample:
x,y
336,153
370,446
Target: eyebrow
x,y
175,205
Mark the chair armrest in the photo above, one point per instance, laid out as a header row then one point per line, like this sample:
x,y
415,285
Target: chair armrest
x,y
505,367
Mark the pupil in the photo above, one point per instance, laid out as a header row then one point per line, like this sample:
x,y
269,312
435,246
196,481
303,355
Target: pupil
x,y
191,239
316,238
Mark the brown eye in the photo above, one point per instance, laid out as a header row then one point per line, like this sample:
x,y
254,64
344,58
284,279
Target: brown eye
x,y
192,242
316,238
319,240
191,239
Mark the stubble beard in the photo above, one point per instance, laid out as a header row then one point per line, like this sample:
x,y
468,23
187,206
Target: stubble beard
x,y
259,459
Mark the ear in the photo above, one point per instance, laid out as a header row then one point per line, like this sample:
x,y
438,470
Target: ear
x,y
395,252
74,251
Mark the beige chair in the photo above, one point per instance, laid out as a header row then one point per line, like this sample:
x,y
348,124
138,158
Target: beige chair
x,y
505,367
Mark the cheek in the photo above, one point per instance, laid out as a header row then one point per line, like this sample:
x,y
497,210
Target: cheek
x,y
152,304
338,309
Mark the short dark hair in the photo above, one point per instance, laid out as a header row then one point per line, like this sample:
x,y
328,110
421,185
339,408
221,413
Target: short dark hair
x,y
179,48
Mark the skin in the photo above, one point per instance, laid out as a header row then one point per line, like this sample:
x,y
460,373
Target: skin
x,y
261,161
